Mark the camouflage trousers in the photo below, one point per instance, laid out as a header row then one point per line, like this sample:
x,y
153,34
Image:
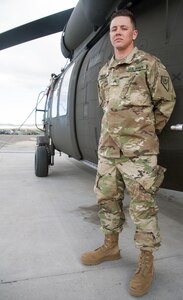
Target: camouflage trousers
x,y
141,177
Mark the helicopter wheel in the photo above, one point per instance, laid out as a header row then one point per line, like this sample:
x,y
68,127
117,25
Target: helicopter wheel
x,y
41,161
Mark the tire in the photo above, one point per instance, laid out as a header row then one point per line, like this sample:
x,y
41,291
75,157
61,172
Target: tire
x,y
41,161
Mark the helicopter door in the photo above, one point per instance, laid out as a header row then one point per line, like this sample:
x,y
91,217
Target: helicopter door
x,y
62,120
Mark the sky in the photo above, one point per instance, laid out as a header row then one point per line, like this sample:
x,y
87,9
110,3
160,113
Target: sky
x,y
25,69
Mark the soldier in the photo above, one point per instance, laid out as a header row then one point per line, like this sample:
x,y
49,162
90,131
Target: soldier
x,y
137,96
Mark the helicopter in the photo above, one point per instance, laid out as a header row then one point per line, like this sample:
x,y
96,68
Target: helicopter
x,y
71,114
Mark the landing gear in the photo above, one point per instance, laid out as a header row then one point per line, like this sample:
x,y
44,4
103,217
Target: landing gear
x,y
43,157
41,161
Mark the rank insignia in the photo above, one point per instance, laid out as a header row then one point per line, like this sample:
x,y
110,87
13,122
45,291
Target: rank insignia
x,y
165,82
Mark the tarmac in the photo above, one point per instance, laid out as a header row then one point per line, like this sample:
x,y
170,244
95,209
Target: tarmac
x,y
47,223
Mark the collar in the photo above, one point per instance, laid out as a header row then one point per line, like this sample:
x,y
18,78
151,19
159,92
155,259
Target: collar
x,y
127,60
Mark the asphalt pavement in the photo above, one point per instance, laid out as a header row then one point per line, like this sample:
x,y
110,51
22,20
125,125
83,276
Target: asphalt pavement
x,y
47,223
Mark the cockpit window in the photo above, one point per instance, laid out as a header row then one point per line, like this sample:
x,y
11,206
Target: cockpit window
x,y
64,91
55,99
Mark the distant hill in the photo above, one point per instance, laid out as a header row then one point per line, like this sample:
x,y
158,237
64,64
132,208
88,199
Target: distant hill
x,y
29,129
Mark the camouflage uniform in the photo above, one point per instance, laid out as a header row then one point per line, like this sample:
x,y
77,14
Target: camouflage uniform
x,y
137,97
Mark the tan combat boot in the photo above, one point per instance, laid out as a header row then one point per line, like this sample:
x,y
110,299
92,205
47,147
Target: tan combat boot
x,y
142,279
108,251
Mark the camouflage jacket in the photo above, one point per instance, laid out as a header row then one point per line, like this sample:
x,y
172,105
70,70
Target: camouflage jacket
x,y
137,97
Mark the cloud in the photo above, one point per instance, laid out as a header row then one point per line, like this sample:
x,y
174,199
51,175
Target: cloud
x,y
16,13
25,69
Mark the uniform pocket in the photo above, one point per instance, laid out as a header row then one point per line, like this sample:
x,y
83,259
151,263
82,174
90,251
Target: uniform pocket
x,y
158,174
125,83
136,91
145,171
152,182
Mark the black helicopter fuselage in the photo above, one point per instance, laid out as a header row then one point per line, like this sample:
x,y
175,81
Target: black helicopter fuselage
x,y
72,114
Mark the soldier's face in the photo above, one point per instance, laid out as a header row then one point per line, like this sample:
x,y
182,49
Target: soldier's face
x,y
122,33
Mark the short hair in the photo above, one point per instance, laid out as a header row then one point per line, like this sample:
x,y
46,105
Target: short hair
x,y
125,13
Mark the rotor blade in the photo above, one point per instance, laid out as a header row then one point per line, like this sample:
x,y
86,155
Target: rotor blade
x,y
36,29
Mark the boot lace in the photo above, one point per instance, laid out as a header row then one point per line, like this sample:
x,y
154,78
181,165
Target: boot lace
x,y
144,263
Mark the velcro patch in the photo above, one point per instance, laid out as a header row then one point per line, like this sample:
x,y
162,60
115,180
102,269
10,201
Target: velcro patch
x,y
136,68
